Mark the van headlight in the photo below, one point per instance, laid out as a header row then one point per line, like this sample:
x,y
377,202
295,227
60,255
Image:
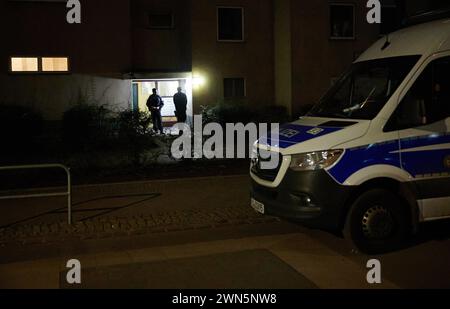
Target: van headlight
x,y
314,161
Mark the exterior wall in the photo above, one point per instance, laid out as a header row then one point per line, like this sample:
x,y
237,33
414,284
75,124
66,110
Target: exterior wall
x,y
101,44
161,50
316,59
287,57
283,54
99,50
252,59
53,95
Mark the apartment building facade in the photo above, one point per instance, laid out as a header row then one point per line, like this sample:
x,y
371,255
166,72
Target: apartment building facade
x,y
256,52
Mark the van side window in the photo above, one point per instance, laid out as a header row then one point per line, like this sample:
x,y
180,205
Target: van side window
x,y
441,90
428,100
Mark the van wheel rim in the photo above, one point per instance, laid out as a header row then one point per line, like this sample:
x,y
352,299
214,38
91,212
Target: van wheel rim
x,y
377,223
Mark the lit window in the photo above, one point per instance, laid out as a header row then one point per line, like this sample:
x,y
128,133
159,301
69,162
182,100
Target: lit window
x,y
60,64
24,64
168,88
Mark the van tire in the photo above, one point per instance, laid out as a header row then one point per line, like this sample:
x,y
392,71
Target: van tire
x,y
377,222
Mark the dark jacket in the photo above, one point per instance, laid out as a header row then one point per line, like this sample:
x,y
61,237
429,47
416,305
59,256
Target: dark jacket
x,y
181,101
155,103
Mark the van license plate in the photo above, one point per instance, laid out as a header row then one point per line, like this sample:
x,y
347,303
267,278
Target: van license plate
x,y
258,207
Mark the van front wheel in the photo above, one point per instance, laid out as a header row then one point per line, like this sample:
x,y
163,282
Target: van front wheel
x,y
377,222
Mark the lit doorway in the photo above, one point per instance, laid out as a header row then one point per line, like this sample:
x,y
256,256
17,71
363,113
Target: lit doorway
x,y
167,88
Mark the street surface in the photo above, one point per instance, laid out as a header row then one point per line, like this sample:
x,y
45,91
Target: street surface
x,y
194,233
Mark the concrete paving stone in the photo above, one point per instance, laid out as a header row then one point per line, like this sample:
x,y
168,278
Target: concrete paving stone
x,y
174,228
123,221
142,225
54,228
149,223
45,229
182,219
108,227
158,230
36,230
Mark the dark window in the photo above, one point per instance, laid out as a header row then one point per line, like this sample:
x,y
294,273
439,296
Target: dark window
x,y
230,24
234,87
160,21
342,21
428,100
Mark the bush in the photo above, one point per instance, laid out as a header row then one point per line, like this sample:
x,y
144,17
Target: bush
x,y
227,113
240,113
19,127
87,126
272,114
208,114
135,134
134,123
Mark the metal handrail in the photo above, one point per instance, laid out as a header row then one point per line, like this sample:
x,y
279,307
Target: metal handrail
x,y
68,193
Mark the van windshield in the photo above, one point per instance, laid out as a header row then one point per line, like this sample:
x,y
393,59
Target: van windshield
x,y
363,91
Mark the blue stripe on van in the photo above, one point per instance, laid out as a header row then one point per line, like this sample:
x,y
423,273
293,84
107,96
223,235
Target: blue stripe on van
x,y
419,163
362,157
428,162
292,134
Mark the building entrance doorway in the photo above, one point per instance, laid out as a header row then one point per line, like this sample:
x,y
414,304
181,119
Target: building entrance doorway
x,y
167,88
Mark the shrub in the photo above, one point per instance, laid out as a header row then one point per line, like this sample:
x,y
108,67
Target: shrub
x,y
240,113
19,127
224,113
87,126
208,114
272,114
135,134
134,123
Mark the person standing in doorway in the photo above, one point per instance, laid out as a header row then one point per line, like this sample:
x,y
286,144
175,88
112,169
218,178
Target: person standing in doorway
x,y
180,99
155,104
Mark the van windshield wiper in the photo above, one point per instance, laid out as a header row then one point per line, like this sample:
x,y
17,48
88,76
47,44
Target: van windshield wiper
x,y
360,106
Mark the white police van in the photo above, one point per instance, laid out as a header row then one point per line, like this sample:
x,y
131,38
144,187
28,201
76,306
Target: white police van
x,y
372,158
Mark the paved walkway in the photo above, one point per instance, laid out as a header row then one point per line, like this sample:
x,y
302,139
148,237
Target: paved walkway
x,y
107,213
192,233
111,210
284,261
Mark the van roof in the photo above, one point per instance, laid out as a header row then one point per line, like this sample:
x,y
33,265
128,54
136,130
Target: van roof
x,y
424,39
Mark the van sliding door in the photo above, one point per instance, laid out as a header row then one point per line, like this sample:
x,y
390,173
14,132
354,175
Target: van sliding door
x,y
424,115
